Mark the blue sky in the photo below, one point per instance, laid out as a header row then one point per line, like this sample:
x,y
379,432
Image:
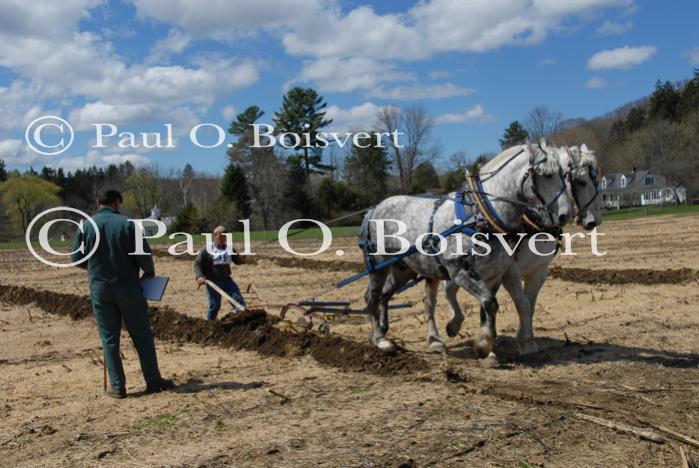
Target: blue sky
x,y
475,65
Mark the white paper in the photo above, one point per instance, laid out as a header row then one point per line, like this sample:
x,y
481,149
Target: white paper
x,y
154,287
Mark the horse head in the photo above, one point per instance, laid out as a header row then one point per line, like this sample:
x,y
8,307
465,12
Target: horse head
x,y
544,184
581,173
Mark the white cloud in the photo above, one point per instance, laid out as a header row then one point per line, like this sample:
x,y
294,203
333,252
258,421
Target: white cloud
x,y
428,28
99,112
596,83
361,32
338,75
220,18
53,59
361,117
621,58
412,93
612,28
96,158
437,74
694,56
547,61
475,113
228,112
174,43
13,151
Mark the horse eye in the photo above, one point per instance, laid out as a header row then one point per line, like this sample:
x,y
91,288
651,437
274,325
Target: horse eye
x,y
582,183
548,176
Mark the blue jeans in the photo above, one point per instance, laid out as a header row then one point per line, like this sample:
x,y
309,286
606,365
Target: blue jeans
x,y
228,285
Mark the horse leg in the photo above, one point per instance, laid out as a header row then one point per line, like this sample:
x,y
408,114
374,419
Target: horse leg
x,y
512,281
457,316
372,297
434,342
474,284
532,286
396,279
483,313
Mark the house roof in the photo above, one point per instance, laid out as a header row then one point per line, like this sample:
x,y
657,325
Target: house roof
x,y
634,181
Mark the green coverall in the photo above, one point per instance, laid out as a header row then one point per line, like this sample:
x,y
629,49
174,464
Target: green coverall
x,y
116,292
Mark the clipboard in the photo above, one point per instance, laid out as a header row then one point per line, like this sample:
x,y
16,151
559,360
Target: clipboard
x,y
154,287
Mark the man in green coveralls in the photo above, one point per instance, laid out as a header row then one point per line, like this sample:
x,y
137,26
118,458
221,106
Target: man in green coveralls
x,y
116,292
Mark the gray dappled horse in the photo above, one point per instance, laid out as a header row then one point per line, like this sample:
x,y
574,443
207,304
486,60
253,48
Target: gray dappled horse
x,y
518,178
580,168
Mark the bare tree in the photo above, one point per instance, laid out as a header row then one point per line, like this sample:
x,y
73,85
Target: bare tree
x,y
185,182
144,191
542,122
415,147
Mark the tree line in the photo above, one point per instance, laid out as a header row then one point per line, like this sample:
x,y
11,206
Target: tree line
x,y
273,185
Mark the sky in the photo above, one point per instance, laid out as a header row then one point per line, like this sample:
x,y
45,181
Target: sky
x,y
475,65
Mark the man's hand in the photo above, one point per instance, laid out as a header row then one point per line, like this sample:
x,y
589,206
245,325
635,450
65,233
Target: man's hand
x,y
147,275
200,282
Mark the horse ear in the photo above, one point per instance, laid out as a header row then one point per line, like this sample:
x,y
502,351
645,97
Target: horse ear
x,y
583,148
532,152
543,143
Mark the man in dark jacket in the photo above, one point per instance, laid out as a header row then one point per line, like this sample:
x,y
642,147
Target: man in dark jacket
x,y
215,266
116,293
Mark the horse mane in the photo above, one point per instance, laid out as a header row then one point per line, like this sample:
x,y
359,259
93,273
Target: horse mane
x,y
582,159
546,160
500,158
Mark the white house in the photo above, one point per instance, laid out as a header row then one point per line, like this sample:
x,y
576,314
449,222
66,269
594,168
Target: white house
x,y
638,188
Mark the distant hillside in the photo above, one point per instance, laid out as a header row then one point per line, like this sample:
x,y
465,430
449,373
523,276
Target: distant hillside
x,y
659,132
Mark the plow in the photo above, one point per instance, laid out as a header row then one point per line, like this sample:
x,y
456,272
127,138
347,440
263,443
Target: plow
x,y
311,313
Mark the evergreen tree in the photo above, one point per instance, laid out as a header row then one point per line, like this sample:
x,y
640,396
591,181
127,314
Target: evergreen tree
x,y
3,171
664,102
234,188
689,101
188,220
514,135
425,177
303,111
335,195
242,125
636,119
367,172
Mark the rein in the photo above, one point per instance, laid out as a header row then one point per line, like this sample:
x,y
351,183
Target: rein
x,y
483,199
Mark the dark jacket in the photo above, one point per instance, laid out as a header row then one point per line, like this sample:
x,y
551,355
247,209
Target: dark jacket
x,y
111,266
204,265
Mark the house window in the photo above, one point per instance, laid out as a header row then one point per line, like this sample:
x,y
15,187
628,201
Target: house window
x,y
623,182
649,180
604,183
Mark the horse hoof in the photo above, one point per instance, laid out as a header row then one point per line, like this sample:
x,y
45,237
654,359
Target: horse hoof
x,y
452,329
384,345
483,345
489,362
437,347
527,347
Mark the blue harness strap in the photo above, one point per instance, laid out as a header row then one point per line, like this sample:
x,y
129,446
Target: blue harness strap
x,y
431,240
366,244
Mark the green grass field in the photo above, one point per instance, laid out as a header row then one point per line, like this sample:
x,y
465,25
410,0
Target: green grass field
x,y
636,212
344,231
339,231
